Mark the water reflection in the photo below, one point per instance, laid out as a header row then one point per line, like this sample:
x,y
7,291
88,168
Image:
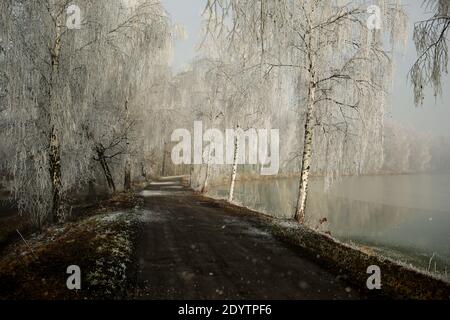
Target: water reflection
x,y
405,217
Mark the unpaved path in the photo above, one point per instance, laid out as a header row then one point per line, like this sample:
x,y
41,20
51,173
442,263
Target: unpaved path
x,y
191,249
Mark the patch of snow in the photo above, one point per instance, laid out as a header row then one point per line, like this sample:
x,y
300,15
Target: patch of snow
x,y
156,193
152,193
257,232
233,221
172,178
151,216
112,217
288,224
169,183
304,285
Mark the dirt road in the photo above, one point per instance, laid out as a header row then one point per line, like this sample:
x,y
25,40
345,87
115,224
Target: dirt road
x,y
190,249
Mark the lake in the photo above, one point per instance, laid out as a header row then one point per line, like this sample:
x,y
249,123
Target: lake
x,y
405,217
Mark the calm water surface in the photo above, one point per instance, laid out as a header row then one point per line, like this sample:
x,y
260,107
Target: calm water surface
x,y
404,217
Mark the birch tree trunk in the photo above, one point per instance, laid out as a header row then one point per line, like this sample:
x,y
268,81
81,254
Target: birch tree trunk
x,y
100,150
54,141
306,158
107,173
55,175
234,170
308,135
191,171
127,169
127,174
163,172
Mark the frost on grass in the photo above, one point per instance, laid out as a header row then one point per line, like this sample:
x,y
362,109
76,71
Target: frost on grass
x,y
291,229
115,253
290,224
113,217
158,193
150,216
257,232
100,245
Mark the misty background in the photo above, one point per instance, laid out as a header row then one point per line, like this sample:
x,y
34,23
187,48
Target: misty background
x,y
432,117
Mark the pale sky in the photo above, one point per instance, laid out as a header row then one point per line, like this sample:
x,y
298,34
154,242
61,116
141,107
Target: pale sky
x,y
433,117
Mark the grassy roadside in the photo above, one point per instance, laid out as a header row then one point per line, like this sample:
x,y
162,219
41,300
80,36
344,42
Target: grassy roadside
x,y
100,241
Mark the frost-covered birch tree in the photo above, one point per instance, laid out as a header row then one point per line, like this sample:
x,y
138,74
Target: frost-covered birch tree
x,y
343,70
246,98
36,64
211,112
430,38
139,46
56,76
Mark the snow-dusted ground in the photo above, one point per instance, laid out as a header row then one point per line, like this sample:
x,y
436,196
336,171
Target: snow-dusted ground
x,y
172,178
151,216
159,183
156,193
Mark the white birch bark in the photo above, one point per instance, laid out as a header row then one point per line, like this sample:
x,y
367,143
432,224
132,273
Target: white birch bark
x,y
308,135
306,158
234,170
